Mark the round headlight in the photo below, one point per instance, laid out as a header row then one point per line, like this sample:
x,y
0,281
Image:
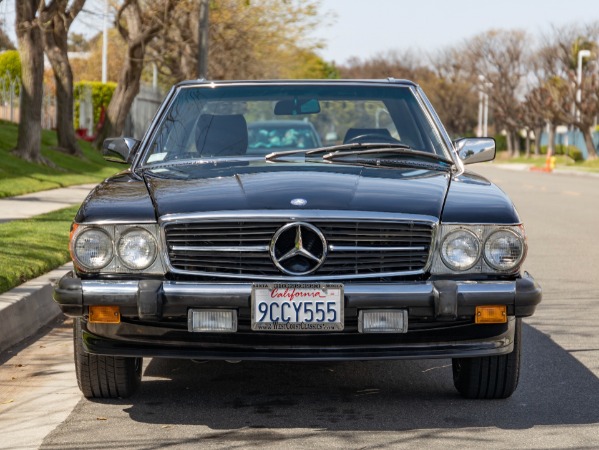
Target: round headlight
x,y
137,249
460,250
504,250
93,249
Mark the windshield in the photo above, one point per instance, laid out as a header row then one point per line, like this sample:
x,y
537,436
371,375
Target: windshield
x,y
247,121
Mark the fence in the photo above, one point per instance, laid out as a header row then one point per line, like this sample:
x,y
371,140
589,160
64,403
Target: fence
x,y
142,111
9,98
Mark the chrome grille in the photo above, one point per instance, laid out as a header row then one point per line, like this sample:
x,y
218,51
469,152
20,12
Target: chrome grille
x,y
356,248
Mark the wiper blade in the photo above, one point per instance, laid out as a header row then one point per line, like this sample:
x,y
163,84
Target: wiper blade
x,y
334,148
334,156
384,162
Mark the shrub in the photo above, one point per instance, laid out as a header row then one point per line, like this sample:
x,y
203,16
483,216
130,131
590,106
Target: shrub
x,y
500,142
101,95
10,66
570,150
575,153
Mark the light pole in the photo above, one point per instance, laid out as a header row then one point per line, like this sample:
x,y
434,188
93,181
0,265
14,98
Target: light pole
x,y
479,130
581,54
105,44
483,106
204,23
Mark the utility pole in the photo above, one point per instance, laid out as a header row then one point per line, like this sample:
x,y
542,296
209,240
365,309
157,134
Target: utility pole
x,y
105,45
204,24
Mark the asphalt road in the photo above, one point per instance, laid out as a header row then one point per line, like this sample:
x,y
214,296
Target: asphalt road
x,y
403,404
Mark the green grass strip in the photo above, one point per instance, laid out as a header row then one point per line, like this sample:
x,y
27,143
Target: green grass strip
x,y
21,177
561,162
31,247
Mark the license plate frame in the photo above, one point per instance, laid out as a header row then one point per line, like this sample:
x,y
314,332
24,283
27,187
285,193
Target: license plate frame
x,y
304,294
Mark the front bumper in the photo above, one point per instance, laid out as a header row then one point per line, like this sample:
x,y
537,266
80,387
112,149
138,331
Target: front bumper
x,y
154,320
154,299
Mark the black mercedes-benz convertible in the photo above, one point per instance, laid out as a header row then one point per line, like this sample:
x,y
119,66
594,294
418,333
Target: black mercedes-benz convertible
x,y
368,241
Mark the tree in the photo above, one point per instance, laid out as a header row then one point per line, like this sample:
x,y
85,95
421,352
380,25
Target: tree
x,y
29,37
56,18
533,117
248,40
453,91
10,65
389,64
5,42
559,61
548,95
138,23
500,57
78,43
89,67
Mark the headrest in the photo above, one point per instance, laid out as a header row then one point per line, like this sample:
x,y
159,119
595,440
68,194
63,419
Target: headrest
x,y
221,135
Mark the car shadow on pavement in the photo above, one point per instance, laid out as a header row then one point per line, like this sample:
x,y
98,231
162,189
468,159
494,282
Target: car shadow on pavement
x,y
554,389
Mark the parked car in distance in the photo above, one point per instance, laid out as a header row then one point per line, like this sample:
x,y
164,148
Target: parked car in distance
x,y
271,135
381,246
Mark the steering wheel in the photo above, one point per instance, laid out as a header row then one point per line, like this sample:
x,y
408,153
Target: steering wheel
x,y
372,138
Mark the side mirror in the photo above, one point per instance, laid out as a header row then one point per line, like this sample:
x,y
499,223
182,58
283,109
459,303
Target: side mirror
x,y
475,150
119,150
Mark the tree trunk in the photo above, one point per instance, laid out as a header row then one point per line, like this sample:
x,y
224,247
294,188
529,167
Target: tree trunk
x,y
509,143
527,143
29,38
516,138
124,94
55,44
588,140
551,141
538,134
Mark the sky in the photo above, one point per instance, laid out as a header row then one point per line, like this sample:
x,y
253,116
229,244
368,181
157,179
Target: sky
x,y
363,28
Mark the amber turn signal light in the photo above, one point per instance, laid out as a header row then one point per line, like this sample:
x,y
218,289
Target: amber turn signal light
x,y
104,314
490,314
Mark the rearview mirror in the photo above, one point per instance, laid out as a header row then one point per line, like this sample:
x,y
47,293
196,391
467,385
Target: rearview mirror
x,y
297,106
475,150
119,150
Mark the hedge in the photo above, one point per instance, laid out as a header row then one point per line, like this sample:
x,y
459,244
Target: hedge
x,y
570,150
10,65
101,95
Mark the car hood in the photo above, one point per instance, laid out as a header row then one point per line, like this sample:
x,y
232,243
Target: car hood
x,y
226,186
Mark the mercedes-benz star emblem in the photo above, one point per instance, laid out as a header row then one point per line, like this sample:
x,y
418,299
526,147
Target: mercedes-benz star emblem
x,y
299,202
298,248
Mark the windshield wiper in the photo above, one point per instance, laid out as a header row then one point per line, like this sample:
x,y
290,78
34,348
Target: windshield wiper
x,y
335,148
386,162
335,156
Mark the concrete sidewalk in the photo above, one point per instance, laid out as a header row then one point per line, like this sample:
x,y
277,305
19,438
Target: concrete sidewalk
x,y
28,307
29,205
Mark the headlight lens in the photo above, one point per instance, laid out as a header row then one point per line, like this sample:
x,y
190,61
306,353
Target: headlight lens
x,y
504,250
460,250
93,249
137,249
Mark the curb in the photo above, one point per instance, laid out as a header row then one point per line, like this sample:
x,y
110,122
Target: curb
x,y
28,307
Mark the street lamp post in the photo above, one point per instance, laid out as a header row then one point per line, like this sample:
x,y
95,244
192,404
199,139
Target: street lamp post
x,y
479,129
581,54
483,106
204,23
105,44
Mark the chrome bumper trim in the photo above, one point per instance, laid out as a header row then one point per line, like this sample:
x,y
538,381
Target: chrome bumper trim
x,y
358,295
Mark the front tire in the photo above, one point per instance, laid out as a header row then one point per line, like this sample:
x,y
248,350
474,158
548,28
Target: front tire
x,y
489,377
104,376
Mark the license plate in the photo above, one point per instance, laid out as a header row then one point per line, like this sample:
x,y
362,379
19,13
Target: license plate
x,y
297,307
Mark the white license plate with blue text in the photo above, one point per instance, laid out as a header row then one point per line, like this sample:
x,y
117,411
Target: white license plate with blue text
x,y
297,307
